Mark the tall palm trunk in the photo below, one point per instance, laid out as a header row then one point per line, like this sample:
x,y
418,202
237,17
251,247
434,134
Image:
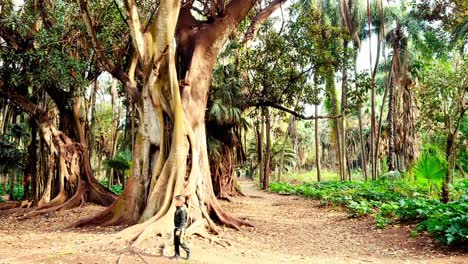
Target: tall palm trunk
x,y
391,126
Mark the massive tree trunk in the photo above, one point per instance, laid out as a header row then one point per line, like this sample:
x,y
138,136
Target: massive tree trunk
x,y
223,175
160,169
74,183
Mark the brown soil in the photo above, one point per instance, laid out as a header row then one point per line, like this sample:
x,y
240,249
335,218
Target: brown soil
x,y
288,229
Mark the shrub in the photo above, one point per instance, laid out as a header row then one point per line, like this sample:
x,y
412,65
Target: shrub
x,y
448,222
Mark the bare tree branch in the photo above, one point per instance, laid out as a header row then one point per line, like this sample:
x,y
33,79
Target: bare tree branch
x,y
294,113
105,62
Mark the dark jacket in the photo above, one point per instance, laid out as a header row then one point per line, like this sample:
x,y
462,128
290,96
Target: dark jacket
x,y
180,217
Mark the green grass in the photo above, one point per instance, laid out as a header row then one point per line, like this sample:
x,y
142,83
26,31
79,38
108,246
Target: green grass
x,y
390,201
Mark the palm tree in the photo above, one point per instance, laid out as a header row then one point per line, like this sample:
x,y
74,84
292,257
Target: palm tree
x,y
120,164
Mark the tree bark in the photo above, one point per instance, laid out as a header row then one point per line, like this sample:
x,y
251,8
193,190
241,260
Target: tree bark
x,y
333,107
448,171
391,126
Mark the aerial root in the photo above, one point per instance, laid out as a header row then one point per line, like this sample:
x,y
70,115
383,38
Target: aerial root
x,y
57,204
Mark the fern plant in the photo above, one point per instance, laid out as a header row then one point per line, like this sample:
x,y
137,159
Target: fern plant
x,y
431,166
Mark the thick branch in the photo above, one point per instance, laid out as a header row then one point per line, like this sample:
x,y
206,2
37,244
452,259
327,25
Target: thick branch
x,y
294,113
135,27
235,11
21,101
259,19
14,39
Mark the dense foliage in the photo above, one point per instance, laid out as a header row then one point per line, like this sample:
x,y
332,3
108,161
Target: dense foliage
x,y
18,192
393,201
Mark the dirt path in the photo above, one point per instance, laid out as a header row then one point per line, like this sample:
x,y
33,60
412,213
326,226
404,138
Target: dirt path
x,y
288,230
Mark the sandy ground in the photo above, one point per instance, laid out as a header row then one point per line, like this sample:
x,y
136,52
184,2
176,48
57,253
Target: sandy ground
x,y
288,229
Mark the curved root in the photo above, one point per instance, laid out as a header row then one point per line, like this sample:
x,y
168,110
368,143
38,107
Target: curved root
x,y
76,200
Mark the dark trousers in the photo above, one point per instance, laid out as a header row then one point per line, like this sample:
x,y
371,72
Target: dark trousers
x,y
179,241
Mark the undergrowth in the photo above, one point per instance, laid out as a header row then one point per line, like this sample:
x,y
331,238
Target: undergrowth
x,y
390,201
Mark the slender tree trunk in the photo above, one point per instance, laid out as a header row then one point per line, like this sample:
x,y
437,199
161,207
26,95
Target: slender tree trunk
x,y
393,76
12,185
373,95
387,84
283,147
344,84
363,146
92,105
261,154
391,126
31,166
317,144
448,171
450,154
266,179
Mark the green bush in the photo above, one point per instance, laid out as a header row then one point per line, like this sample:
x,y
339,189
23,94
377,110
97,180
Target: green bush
x,y
117,189
393,200
18,191
448,222
2,191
